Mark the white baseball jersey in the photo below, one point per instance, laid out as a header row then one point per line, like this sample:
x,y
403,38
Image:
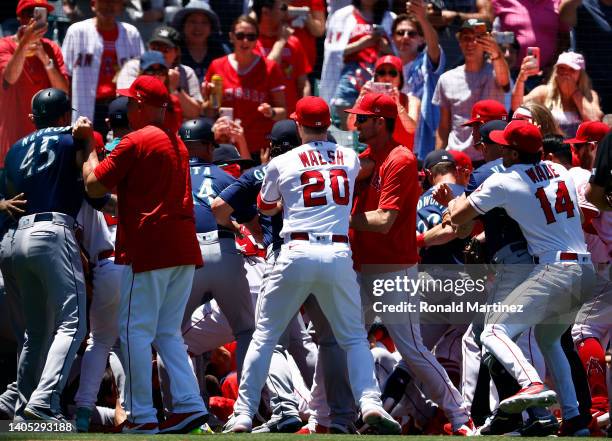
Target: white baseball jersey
x,y
316,183
542,199
82,48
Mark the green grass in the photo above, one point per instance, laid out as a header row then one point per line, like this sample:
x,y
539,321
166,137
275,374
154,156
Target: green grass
x,y
232,437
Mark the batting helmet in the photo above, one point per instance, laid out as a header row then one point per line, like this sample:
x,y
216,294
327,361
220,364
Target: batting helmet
x,y
197,130
48,105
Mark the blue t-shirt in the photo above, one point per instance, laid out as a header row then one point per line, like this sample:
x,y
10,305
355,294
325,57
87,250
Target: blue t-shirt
x,y
500,229
43,167
207,181
242,197
429,214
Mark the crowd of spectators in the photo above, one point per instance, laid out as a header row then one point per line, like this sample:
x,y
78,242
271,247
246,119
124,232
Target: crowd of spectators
x,y
438,57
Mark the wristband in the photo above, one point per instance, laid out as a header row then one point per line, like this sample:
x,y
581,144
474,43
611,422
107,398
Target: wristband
x,y
420,240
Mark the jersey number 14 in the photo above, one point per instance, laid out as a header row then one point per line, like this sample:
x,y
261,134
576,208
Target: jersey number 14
x,y
563,203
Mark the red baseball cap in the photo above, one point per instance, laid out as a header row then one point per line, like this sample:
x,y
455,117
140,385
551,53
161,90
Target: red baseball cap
x,y
375,104
520,135
312,111
487,110
589,131
394,61
25,4
462,159
147,89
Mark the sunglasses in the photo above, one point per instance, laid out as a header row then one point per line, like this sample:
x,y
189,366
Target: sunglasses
x,y
360,119
242,36
411,34
164,49
383,73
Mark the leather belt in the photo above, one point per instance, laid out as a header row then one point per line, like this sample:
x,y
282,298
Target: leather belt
x,y
306,236
562,256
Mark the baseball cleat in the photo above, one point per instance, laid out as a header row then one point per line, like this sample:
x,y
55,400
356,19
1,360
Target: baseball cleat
x,y
536,395
238,424
183,422
379,419
466,429
573,427
83,416
37,413
140,428
289,424
545,425
499,423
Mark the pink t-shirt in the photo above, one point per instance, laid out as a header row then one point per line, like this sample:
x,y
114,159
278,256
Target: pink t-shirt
x,y
534,22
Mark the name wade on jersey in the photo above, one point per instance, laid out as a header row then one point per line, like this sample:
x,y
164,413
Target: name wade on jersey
x,y
313,157
541,172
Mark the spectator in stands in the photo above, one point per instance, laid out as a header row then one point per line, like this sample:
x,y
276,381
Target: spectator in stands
x,y
568,93
28,64
183,81
510,51
388,71
422,67
153,63
592,23
147,15
460,88
534,23
447,16
277,44
252,85
199,27
94,51
539,115
357,35
309,26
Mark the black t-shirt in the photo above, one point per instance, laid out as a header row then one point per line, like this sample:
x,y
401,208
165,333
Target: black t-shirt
x,y
602,171
216,49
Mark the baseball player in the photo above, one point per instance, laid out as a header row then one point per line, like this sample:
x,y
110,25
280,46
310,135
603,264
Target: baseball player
x,y
563,266
156,240
45,257
315,183
383,238
600,184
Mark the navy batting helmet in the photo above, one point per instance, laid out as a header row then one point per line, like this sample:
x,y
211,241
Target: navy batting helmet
x,y
197,130
48,105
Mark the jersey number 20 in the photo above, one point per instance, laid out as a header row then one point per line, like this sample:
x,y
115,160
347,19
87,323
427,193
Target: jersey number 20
x,y
563,203
318,186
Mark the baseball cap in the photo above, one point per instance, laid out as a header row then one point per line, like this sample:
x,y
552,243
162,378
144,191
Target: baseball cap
x,y
486,129
394,61
471,23
285,133
166,35
375,104
571,59
437,156
312,111
519,135
151,58
487,110
589,131
461,159
147,89
228,154
25,4
523,113
117,112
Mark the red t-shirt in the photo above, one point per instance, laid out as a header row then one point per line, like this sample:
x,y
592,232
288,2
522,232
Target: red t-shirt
x,y
393,186
400,134
156,228
16,99
174,115
309,43
362,28
246,92
293,65
109,66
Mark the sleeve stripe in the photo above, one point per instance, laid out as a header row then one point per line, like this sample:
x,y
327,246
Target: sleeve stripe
x,y
263,205
476,207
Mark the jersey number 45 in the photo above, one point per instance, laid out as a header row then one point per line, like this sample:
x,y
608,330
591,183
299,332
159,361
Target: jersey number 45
x,y
563,203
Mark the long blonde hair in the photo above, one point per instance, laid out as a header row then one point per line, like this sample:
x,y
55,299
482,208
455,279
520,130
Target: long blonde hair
x,y
543,118
553,95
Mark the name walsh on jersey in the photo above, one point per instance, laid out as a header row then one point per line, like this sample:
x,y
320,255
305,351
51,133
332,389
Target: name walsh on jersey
x,y
313,157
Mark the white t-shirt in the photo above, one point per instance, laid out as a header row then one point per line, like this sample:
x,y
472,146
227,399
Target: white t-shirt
x,y
542,199
316,182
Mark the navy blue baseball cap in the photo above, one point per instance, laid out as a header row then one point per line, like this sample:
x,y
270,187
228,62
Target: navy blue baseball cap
x,y
284,133
228,154
151,58
436,157
117,112
486,129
